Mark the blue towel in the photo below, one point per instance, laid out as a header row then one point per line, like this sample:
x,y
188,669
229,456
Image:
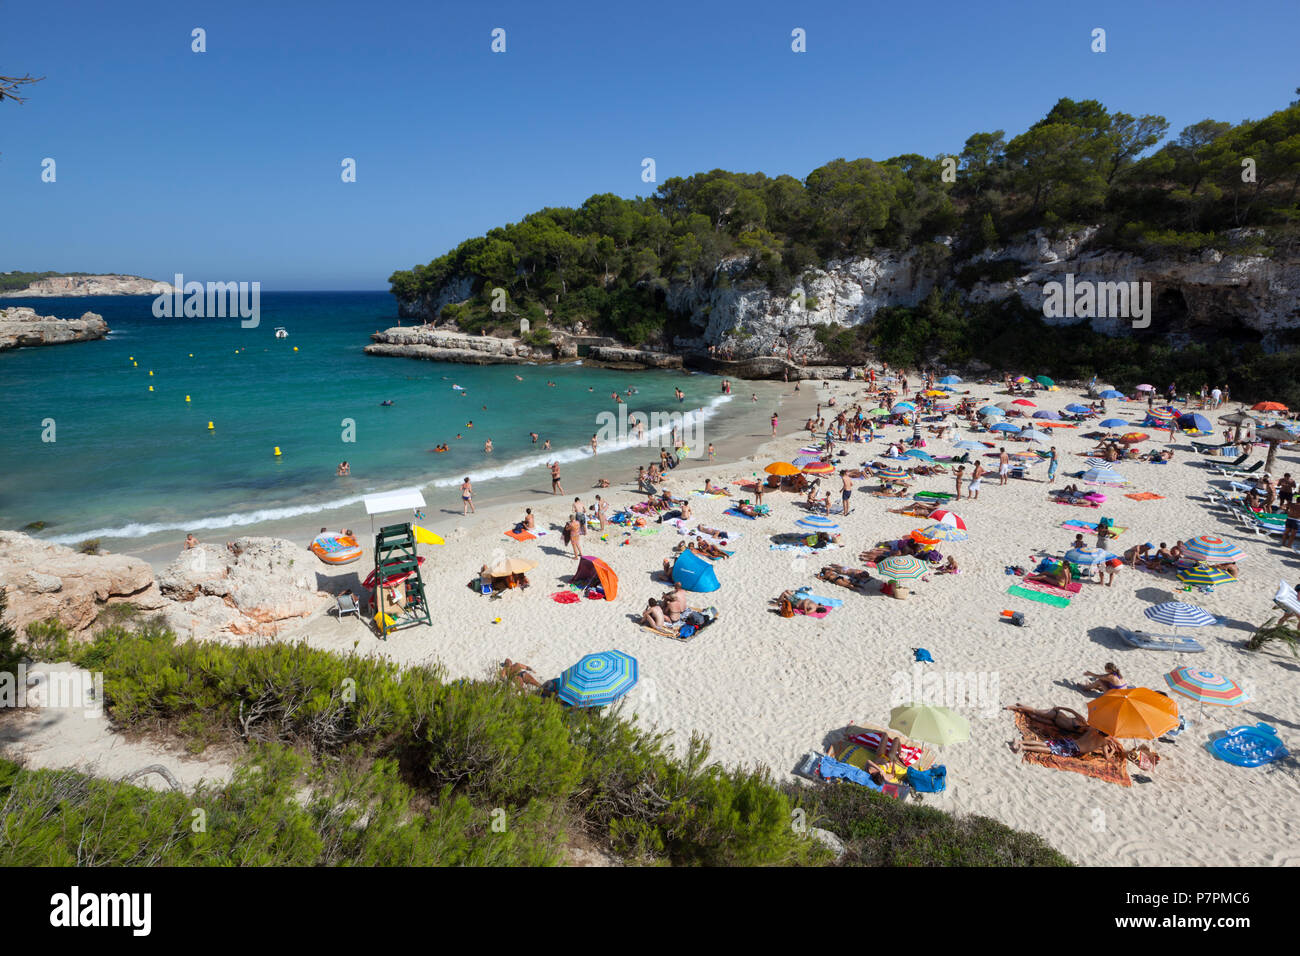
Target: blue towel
x,y
828,602
831,769
738,514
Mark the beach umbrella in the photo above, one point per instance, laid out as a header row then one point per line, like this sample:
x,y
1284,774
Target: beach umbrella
x,y
929,724
950,379
935,393
1274,436
1269,407
944,407
1103,475
1023,380
1026,455
992,411
807,459
1044,381
1161,414
1202,575
819,468
950,518
1178,614
879,412
1078,409
598,679
904,406
1114,423
1205,687
1047,413
889,471
918,454
1033,434
1024,401
1238,418
818,523
941,532
508,566
1133,712
1132,438
1088,557
1005,427
968,445
920,537
902,567
1211,549
1146,388
1112,393
783,468
1193,422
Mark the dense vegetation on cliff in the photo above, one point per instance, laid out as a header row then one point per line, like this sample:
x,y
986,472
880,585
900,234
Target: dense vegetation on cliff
x,y
21,280
609,262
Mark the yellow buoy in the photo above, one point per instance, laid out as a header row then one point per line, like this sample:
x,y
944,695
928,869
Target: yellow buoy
x,y
151,388
191,355
210,426
131,358
277,451
135,364
187,398
295,348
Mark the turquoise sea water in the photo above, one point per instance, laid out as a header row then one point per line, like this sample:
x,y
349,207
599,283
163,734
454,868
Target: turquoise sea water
x,y
127,463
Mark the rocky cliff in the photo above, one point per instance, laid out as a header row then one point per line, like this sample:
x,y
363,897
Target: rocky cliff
x,y
90,285
23,328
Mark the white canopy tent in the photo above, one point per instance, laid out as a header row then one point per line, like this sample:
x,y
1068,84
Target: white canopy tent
x,y
402,499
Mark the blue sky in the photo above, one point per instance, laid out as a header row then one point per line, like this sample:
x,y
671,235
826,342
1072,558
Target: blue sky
x,y
225,165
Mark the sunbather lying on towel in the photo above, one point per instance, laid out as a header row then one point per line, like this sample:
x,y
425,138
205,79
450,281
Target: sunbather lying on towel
x,y
1058,575
745,508
844,577
518,673
1062,717
1092,742
804,604
707,550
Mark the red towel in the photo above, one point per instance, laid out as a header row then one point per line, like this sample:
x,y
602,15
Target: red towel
x,y
565,597
871,740
521,535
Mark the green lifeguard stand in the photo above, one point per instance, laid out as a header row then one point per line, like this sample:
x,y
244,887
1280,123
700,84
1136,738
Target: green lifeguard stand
x,y
395,555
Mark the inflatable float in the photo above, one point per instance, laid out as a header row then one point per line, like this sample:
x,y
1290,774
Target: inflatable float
x,y
335,548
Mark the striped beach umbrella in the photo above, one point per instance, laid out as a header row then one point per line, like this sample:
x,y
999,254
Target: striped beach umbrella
x,y
819,468
1202,575
1161,415
904,407
1132,438
1205,687
1102,475
1005,427
1137,712
1114,423
944,407
888,471
1047,413
942,532
1112,393
1096,462
1023,380
807,458
1211,549
1178,614
1146,388
929,724
1077,409
598,679
950,518
818,523
1088,557
902,567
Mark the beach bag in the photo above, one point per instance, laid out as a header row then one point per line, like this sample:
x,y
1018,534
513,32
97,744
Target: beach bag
x,y
934,780
787,607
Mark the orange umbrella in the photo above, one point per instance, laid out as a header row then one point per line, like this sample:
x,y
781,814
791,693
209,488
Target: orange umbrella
x,y
1133,712
1269,407
1134,437
819,468
919,537
783,468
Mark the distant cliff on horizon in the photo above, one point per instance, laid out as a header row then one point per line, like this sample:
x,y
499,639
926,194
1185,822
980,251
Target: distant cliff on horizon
x,y
51,285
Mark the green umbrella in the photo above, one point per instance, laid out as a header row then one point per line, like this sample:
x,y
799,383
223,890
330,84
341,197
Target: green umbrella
x,y
931,725
1044,381
879,412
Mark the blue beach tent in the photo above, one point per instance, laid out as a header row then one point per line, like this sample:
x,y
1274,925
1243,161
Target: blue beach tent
x,y
694,573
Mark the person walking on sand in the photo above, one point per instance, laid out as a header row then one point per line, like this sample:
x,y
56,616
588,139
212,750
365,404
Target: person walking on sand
x,y
1004,466
1051,465
556,487
846,490
593,444
573,536
976,480
959,477
467,496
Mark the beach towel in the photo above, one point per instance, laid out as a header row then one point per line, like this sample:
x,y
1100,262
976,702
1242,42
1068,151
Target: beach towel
x,y
829,602
521,535
1055,600
1112,769
817,614
832,769
803,548
1146,496
1074,587
565,597
907,754
738,514
1074,524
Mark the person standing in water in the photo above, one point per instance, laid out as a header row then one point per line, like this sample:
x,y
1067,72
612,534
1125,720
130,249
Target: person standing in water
x,y
467,496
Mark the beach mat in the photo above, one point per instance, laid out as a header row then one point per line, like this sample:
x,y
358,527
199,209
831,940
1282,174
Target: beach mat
x,y
1055,600
1110,769
738,514
1076,526
521,535
1146,496
1045,588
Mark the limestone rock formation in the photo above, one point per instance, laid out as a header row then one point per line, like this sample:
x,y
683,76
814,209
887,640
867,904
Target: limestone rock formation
x,y
59,286
21,327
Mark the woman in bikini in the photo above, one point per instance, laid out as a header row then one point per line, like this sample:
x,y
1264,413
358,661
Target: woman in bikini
x,y
1061,717
1109,679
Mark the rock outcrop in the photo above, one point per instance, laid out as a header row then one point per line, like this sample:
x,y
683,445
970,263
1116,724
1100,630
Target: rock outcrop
x,y
46,581
253,589
22,328
438,345
58,286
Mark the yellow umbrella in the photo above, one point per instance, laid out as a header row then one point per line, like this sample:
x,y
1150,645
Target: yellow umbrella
x,y
783,468
508,566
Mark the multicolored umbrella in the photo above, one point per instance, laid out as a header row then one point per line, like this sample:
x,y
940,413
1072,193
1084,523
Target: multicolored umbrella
x,y
1211,549
1178,614
942,532
1133,712
1202,575
1205,687
904,407
1132,438
1023,380
902,567
819,468
930,725
598,679
1088,557
888,471
950,518
818,523
944,407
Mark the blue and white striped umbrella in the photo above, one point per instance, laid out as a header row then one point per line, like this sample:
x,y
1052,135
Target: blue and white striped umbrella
x,y
806,460
1104,476
1180,614
1005,427
1212,549
904,407
818,523
944,532
1088,556
598,679
1078,409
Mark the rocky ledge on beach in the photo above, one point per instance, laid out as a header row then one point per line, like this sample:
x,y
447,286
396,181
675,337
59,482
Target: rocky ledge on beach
x,y
253,588
59,286
445,345
22,328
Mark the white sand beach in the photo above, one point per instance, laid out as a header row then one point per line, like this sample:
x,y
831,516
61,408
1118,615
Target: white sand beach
x,y
765,689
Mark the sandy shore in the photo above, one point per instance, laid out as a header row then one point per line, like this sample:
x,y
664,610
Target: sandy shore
x,y
766,689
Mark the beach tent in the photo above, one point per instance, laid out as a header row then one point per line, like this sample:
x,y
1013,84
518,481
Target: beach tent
x,y
1193,422
594,569
694,573
950,379
1112,393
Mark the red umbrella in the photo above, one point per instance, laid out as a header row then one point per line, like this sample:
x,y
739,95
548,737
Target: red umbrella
x,y
1269,407
1024,401
1133,437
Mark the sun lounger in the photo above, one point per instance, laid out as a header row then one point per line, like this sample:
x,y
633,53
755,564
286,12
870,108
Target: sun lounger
x,y
1229,473
346,604
1159,642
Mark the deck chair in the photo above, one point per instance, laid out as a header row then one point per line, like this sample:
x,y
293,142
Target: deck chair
x,y
1245,471
346,604
1241,460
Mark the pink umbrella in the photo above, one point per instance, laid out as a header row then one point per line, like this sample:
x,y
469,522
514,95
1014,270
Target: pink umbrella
x,y
1146,388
